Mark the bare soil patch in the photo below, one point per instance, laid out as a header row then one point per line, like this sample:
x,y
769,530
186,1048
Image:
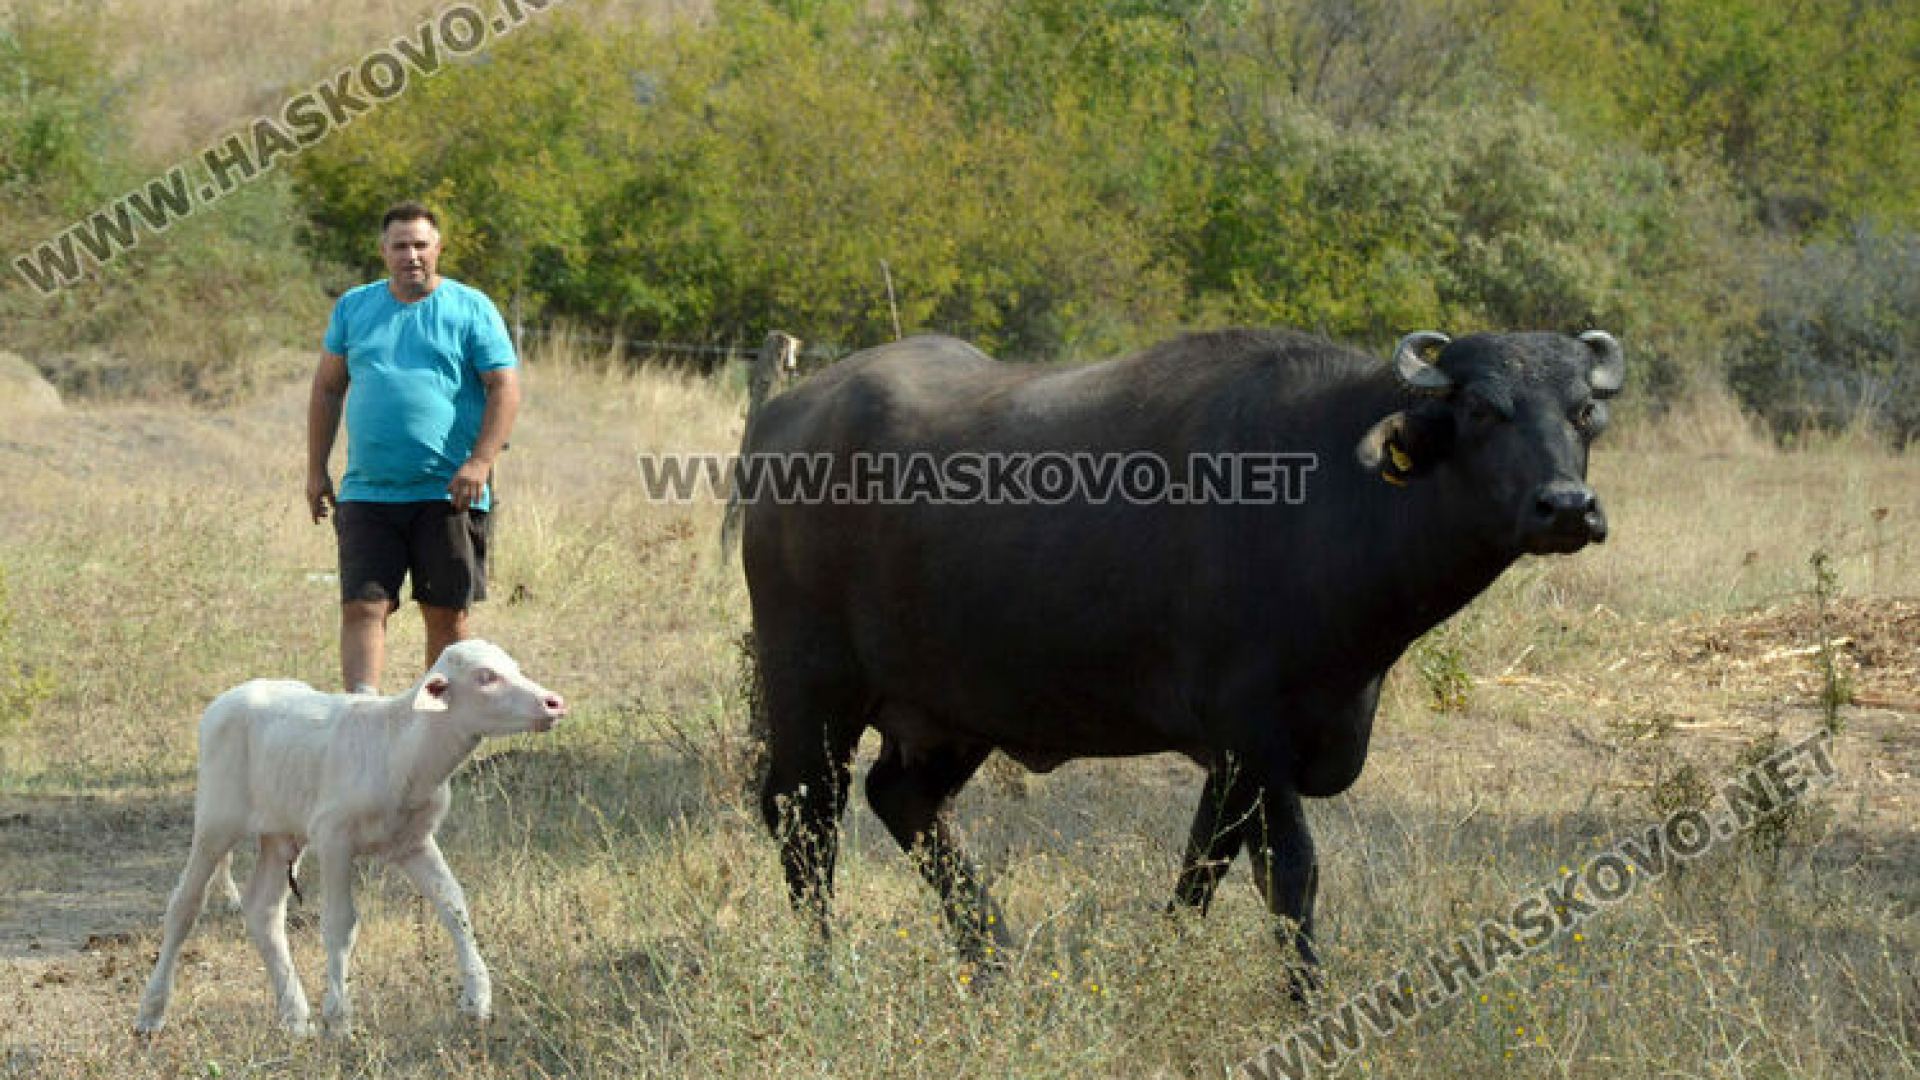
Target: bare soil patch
x,y
86,870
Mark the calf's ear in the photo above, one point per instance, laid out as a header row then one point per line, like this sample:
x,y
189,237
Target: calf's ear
x,y
432,696
1405,445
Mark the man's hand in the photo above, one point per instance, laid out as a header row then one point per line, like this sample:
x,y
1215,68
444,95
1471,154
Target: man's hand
x,y
469,483
319,495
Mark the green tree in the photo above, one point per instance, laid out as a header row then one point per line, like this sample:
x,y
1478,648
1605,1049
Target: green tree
x,y
1810,107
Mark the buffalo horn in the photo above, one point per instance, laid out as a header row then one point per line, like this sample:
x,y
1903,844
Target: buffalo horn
x,y
1609,369
1416,374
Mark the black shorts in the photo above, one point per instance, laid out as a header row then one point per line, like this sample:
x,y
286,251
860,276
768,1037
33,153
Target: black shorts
x,y
445,551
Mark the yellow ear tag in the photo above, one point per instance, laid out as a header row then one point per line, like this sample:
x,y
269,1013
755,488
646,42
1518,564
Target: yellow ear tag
x,y
1398,465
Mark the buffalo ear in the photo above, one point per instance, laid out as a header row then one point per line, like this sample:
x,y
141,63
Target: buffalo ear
x,y
1405,445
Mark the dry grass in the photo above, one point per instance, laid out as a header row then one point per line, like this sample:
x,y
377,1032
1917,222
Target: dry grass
x,y
632,908
194,70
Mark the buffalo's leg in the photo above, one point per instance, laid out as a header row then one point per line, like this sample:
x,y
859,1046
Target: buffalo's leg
x,y
911,800
1284,868
1228,804
809,767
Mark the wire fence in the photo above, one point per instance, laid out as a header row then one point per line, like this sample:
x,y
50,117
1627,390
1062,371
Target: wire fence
x,y
524,333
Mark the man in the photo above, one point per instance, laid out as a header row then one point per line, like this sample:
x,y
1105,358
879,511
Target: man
x,y
434,394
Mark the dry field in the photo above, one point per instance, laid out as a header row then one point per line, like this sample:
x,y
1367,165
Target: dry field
x,y
195,70
152,555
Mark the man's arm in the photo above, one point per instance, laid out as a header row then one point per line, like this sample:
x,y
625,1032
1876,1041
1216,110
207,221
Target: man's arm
x,y
503,404
324,406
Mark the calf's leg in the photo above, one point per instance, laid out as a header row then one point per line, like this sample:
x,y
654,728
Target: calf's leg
x,y
427,868
223,881
339,923
265,908
183,908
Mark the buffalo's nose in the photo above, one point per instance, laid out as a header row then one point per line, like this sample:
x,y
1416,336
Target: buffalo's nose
x,y
1564,503
1569,509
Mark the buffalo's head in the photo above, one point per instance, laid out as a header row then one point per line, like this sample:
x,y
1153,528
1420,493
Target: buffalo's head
x,y
1505,422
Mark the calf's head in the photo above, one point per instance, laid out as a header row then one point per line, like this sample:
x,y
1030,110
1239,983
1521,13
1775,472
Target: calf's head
x,y
1505,422
482,691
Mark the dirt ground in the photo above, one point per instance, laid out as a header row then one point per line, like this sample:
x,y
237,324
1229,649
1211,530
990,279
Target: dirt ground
x,y
101,867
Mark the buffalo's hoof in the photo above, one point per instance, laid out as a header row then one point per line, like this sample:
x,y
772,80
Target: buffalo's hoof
x,y
1303,984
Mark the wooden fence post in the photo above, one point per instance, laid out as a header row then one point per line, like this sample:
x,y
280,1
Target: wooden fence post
x,y
777,362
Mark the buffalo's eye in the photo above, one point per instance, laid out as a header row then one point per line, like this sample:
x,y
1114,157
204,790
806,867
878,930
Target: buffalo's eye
x,y
1482,411
1590,417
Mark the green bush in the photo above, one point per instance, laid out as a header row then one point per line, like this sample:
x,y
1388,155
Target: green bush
x,y
194,308
1808,108
1368,233
1341,232
54,136
725,182
1053,181
1836,337
1044,183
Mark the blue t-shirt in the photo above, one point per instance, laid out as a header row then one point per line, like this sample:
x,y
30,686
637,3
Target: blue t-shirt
x,y
414,399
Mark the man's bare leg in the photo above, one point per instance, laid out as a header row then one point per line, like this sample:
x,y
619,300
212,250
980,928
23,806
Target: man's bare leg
x,y
363,642
444,627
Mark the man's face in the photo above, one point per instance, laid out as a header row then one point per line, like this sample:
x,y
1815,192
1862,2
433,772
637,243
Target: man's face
x,y
411,250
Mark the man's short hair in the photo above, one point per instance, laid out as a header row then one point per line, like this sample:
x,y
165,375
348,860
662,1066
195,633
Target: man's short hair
x,y
410,210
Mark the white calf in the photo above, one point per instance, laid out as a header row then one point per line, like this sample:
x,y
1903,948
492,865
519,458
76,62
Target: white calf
x,y
347,775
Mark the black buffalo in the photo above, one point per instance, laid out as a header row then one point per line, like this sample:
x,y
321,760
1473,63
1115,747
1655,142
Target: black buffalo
x,y
1251,635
